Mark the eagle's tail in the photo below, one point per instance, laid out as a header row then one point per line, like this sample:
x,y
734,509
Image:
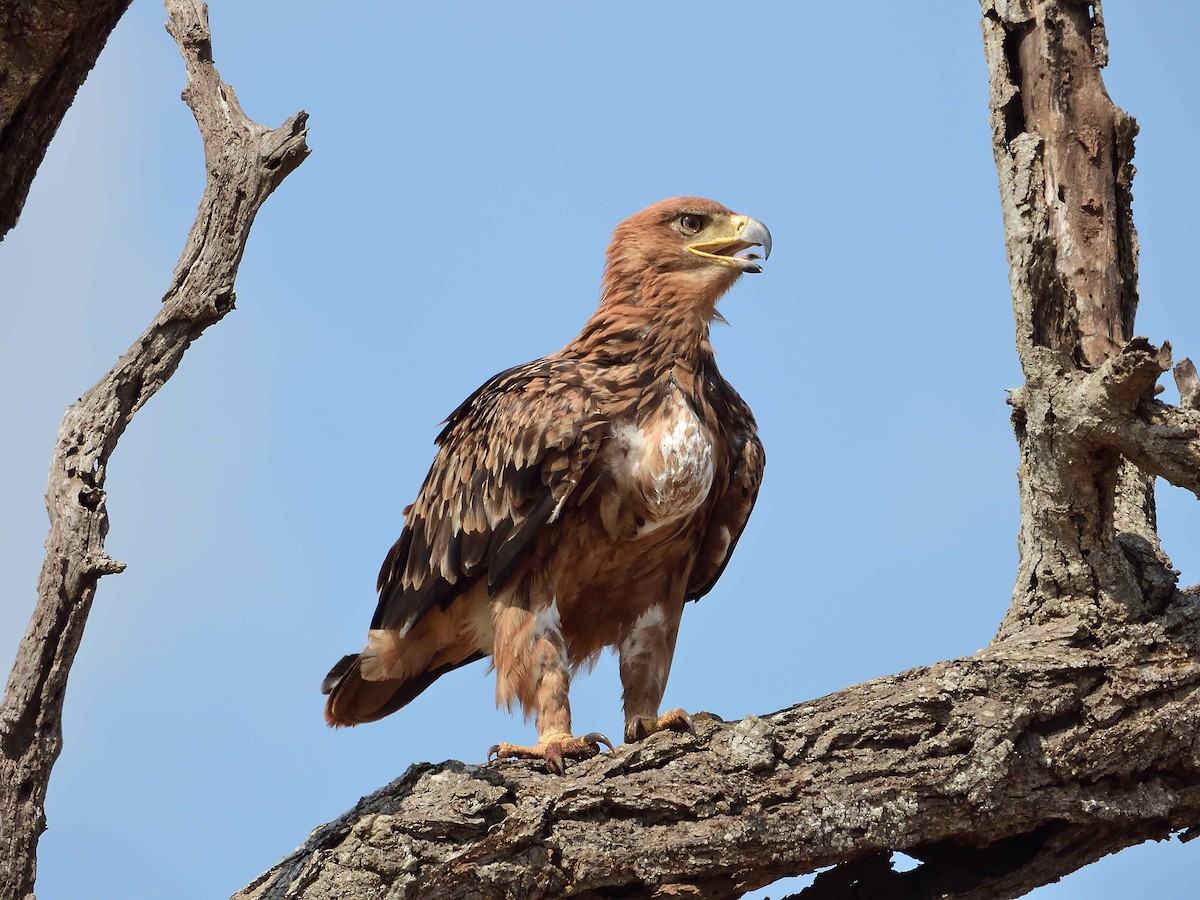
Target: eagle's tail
x,y
353,700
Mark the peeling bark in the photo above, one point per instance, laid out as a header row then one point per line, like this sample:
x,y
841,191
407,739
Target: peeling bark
x,y
245,162
1064,155
1070,737
47,49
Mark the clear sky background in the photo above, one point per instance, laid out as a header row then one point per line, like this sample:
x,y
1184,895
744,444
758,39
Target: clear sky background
x,y
469,162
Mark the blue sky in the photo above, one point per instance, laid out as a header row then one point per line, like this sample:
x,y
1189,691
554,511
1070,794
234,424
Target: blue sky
x,y
469,163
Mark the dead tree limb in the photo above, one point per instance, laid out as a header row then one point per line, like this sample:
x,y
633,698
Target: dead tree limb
x,y
47,49
1001,772
1070,737
245,162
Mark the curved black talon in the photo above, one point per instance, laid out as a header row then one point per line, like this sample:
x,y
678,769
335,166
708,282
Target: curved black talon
x,y
677,720
596,739
555,764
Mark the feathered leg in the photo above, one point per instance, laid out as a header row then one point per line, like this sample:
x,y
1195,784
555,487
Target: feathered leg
x,y
532,670
646,649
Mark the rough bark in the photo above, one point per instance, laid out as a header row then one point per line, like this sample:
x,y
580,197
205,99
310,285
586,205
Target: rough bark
x,y
1001,771
47,49
1070,737
1063,152
245,162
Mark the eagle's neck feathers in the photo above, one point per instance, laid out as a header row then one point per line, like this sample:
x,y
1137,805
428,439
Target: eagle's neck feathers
x,y
656,324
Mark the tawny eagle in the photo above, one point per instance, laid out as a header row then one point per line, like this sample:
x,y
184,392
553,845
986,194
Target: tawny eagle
x,y
577,502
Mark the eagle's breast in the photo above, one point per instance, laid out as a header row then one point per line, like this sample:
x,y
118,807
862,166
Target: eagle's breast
x,y
664,460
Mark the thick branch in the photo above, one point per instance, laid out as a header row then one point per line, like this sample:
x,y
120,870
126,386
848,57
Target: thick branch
x,y
245,162
1112,410
1002,772
1163,440
1005,868
1125,378
47,49
1063,152
1064,156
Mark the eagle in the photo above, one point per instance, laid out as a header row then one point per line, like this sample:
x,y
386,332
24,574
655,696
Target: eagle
x,y
578,501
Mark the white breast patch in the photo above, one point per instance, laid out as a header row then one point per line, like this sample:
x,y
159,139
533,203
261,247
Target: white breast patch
x,y
669,459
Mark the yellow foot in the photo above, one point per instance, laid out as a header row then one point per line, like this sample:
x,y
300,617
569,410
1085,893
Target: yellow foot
x,y
643,726
554,749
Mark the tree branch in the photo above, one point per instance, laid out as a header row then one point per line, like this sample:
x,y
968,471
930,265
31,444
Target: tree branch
x,y
1125,378
1188,383
245,162
47,49
1163,440
1005,868
1064,156
1002,771
1112,409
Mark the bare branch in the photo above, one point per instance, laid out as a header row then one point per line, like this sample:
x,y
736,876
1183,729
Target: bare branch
x,y
1112,409
1125,378
1035,756
47,49
1064,155
1063,152
1163,440
245,162
1188,383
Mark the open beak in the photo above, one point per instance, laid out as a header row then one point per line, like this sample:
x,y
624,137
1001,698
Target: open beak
x,y
744,233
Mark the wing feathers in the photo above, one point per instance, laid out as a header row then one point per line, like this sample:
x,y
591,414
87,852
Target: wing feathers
x,y
735,502
505,556
509,457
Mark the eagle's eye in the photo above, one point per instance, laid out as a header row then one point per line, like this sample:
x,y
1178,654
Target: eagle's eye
x,y
690,223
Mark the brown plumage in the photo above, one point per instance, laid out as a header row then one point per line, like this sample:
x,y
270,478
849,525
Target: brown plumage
x,y
578,501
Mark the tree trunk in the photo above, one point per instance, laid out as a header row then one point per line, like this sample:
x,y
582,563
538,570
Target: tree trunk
x,y
245,162
47,49
1068,738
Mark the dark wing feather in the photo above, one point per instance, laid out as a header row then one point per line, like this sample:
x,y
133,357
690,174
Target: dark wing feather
x,y
732,508
508,459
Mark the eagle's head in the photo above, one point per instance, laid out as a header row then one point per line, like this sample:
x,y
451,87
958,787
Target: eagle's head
x,y
686,251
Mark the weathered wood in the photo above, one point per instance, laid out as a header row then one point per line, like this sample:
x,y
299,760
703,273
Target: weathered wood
x,y
1035,756
1188,383
47,49
1064,156
245,162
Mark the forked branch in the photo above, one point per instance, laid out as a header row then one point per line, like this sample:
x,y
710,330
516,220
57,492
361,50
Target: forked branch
x,y
245,162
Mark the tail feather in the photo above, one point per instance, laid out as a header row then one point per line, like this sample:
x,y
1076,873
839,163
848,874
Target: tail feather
x,y
353,700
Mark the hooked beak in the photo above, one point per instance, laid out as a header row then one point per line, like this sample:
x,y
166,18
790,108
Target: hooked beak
x,y
744,233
